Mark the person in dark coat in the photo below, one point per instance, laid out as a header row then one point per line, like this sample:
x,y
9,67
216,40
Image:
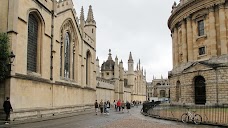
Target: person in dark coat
x,y
7,108
128,106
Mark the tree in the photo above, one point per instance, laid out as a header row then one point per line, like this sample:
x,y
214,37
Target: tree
x,y
4,56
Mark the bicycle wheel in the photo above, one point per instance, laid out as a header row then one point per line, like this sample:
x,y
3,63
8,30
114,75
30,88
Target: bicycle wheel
x,y
185,118
197,119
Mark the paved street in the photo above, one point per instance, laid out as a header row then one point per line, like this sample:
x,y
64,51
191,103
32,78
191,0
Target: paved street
x,y
115,120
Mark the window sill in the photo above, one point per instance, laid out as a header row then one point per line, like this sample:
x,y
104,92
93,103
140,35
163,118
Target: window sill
x,y
203,55
200,37
35,74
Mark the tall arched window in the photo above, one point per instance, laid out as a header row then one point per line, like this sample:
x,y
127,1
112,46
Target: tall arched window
x,y
32,43
67,56
88,62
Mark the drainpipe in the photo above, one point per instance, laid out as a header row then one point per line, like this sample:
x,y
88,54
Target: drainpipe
x,y
52,32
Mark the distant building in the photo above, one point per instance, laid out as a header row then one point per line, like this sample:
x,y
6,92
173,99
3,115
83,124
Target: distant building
x,y
114,83
200,52
158,89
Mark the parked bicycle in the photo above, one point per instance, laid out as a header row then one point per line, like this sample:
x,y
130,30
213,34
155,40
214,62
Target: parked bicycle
x,y
191,116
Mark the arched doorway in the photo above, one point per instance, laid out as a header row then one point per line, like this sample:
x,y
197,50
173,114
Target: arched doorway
x,y
200,90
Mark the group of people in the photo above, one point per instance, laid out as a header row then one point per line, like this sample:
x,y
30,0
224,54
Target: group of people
x,y
105,106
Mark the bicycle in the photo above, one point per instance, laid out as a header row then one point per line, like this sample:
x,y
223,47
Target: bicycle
x,y
186,117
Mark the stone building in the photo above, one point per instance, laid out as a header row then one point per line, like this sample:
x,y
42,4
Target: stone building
x,y
113,82
200,61
158,89
54,70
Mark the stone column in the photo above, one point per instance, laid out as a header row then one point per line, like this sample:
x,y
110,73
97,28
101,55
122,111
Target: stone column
x,y
212,32
189,39
194,36
222,22
184,41
175,47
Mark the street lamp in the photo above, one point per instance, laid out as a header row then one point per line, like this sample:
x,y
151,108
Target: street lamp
x,y
11,59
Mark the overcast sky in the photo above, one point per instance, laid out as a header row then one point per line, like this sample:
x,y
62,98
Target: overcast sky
x,y
139,26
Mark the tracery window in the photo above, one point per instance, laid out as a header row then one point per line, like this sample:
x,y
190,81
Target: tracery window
x,y
67,56
32,43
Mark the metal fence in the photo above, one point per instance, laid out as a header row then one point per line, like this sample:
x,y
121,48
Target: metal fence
x,y
216,115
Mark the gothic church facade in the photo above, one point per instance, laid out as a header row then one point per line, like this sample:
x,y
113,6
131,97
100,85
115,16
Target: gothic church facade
x,y
54,69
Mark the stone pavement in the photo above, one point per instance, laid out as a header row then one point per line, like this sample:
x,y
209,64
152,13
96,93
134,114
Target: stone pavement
x,y
133,119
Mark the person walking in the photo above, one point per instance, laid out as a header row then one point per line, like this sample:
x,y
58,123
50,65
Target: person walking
x,y
7,108
108,107
119,105
96,106
115,106
128,106
123,106
101,106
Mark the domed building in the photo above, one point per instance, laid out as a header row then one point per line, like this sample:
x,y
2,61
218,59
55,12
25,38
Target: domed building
x,y
200,61
114,82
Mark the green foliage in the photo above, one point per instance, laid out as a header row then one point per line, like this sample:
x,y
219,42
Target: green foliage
x,y
4,56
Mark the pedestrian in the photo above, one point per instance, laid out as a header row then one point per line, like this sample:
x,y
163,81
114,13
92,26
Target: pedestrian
x,y
101,106
119,105
128,106
108,107
7,108
115,104
123,106
105,107
96,106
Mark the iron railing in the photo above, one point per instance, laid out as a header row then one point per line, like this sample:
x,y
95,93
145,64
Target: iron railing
x,y
216,115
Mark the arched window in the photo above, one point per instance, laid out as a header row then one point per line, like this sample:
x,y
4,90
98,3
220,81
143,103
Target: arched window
x,y
67,56
88,62
32,43
200,90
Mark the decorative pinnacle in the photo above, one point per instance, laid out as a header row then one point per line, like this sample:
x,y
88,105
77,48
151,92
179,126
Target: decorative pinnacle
x,y
90,17
130,58
82,14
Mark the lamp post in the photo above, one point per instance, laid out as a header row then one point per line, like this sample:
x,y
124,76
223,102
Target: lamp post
x,y
11,59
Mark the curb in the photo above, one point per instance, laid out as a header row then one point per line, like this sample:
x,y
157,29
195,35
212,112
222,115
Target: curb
x,y
12,123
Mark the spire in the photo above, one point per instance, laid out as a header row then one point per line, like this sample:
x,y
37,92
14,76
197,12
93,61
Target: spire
x,y
97,59
82,14
139,64
109,55
116,58
130,58
90,17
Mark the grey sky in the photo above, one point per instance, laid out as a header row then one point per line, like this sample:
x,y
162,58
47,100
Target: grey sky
x,y
139,26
